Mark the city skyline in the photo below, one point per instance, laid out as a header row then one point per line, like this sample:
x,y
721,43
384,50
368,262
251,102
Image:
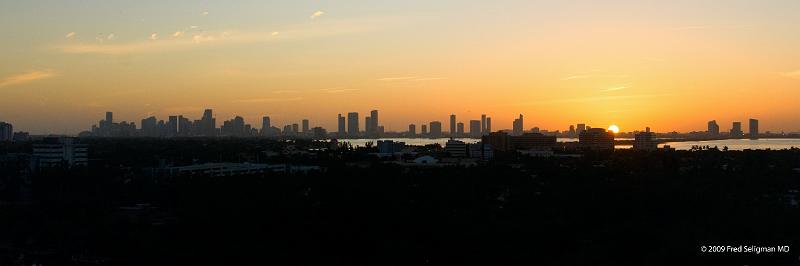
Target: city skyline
x,y
656,65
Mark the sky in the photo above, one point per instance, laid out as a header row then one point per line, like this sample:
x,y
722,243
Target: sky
x,y
669,65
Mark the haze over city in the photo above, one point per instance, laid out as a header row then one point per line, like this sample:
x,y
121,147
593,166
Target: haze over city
x,y
671,65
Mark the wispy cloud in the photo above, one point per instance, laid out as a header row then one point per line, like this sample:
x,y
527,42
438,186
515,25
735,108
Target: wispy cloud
x,y
177,34
70,35
594,74
792,74
291,33
615,88
339,90
26,78
205,13
268,100
317,14
595,99
396,78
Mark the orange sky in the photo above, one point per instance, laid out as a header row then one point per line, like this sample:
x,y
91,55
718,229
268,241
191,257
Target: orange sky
x,y
671,66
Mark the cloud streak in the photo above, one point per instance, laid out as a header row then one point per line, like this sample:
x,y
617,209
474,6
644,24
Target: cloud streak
x,y
26,78
268,100
316,14
292,33
793,74
70,35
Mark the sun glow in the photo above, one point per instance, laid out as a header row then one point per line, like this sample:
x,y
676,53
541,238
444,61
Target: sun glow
x,y
613,128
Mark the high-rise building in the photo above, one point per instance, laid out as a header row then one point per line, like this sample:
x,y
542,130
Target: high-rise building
x,y
518,126
109,117
342,127
753,128
424,129
736,130
483,124
373,115
460,129
581,128
412,130
6,131
149,128
352,124
172,126
475,128
436,129
645,141
305,126
368,126
208,124
596,139
488,126
713,128
265,124
452,125
295,128
319,133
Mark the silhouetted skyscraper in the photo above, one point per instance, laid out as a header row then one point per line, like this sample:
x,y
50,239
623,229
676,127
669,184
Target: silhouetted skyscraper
x,y
342,127
452,125
713,128
483,124
373,116
436,129
488,126
736,129
352,124
172,126
305,126
424,129
412,130
460,129
581,128
6,131
518,126
208,124
109,117
265,124
475,128
368,126
753,128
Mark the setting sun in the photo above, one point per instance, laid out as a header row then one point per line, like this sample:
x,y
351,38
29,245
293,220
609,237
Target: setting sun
x,y
613,128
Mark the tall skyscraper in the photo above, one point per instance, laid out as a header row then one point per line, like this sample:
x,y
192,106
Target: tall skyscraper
x,y
352,124
305,126
460,129
452,125
436,129
368,126
265,124
342,127
172,126
6,131
483,124
475,128
713,128
109,118
488,126
373,115
412,130
424,129
753,128
208,125
518,126
736,129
